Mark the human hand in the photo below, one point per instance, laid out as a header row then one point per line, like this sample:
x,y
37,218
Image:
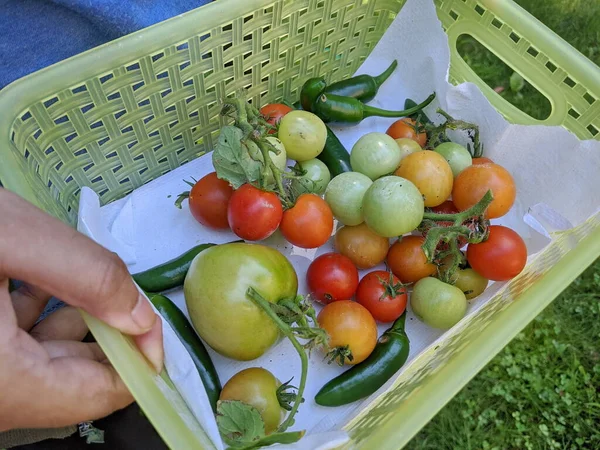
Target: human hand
x,y
48,377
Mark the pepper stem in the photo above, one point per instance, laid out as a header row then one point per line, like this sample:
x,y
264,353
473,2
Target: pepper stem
x,y
380,79
369,111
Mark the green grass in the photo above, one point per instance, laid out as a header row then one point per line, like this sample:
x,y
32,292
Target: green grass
x,y
576,21
543,390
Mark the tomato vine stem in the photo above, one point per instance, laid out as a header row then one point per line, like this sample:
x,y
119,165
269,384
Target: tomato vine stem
x,y
450,233
288,332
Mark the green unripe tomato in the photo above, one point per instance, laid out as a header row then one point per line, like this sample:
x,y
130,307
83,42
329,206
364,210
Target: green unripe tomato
x,y
438,304
215,294
458,157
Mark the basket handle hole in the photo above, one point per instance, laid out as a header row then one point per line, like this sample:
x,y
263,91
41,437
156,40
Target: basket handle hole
x,y
502,78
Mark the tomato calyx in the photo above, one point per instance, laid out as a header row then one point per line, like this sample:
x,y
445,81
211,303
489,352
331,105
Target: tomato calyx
x,y
441,240
296,309
339,354
437,134
285,395
242,153
185,194
391,289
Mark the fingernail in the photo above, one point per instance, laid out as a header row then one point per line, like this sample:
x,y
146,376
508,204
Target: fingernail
x,y
143,314
151,345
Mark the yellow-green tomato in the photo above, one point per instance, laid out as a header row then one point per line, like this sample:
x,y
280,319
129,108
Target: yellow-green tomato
x,y
393,206
407,146
471,283
458,157
303,135
314,180
215,294
438,304
375,154
280,159
344,195
256,387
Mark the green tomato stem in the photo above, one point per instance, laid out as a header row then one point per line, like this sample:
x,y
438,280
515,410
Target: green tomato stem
x,y
458,218
287,332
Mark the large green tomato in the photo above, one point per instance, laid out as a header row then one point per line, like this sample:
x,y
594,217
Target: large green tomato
x,y
344,195
375,154
315,180
438,304
303,135
458,157
393,206
215,294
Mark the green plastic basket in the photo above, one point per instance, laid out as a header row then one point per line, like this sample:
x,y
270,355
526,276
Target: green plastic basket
x,y
123,114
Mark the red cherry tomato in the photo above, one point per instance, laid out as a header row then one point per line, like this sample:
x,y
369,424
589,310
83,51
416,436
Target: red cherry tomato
x,y
274,112
383,295
254,214
332,277
309,223
208,201
501,257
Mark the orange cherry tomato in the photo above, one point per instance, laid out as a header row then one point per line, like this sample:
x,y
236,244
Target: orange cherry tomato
x,y
309,223
350,325
473,182
405,128
430,173
406,259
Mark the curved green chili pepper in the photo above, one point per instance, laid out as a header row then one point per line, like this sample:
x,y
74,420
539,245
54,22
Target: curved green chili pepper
x,y
335,108
170,274
363,379
361,87
192,343
311,89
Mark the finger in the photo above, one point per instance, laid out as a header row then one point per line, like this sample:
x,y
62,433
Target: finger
x,y
47,255
147,344
29,302
73,390
62,349
64,324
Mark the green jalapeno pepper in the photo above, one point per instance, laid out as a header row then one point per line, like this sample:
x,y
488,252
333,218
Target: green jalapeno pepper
x,y
335,108
192,343
361,87
388,356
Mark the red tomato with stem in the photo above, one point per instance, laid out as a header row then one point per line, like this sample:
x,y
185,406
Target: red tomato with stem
x,y
383,295
209,199
309,223
254,214
273,113
332,277
501,257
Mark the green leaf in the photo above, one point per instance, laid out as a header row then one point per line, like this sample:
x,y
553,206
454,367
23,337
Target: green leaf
x,y
516,82
239,422
235,159
278,438
242,427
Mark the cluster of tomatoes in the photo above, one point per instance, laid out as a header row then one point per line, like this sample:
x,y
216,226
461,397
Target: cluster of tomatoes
x,y
396,182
